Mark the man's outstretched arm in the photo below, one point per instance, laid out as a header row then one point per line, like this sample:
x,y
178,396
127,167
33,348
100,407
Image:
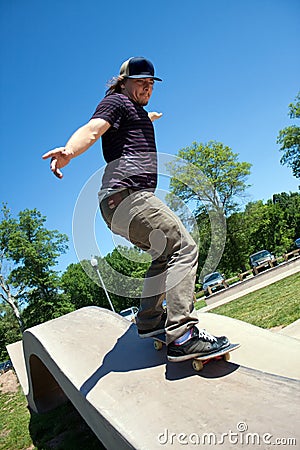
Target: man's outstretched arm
x,y
78,143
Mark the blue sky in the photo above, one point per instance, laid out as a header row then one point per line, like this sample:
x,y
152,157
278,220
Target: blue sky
x,y
229,67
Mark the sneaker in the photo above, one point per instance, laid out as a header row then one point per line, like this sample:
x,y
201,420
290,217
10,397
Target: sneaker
x,y
159,329
200,343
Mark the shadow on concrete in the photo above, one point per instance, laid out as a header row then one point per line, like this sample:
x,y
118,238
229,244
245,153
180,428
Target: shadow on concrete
x,y
130,353
213,370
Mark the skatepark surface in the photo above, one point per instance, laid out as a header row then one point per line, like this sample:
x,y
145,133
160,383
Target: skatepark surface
x,y
132,398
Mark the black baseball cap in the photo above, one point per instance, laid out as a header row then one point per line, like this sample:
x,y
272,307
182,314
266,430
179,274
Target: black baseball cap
x,y
138,67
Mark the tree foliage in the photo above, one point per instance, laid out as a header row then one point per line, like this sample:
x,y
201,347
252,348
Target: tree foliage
x,y
9,330
29,283
289,138
273,226
81,284
213,176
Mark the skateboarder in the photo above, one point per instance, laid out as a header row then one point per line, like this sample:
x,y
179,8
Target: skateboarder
x,y
130,208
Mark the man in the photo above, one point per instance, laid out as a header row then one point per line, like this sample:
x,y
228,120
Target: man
x,y
130,209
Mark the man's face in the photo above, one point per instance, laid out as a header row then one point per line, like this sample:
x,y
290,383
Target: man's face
x,y
138,89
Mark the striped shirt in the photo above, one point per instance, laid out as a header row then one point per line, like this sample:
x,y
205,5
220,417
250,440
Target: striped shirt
x,y
128,145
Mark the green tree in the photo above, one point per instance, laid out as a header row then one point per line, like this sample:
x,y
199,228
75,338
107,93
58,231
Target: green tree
x,y
289,138
9,330
290,205
130,262
213,176
29,251
212,180
236,254
273,226
81,284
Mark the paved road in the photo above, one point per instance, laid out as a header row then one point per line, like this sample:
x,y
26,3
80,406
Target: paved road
x,y
252,284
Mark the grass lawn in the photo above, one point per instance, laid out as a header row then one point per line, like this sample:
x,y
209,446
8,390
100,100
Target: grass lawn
x,y
60,429
14,420
275,305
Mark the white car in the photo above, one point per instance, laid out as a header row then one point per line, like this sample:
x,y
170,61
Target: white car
x,y
262,260
213,282
130,313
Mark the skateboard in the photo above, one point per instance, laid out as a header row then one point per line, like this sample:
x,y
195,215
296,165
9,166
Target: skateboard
x,y
199,362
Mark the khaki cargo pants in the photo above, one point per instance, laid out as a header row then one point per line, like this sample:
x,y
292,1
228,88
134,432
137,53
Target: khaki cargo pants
x,y
148,223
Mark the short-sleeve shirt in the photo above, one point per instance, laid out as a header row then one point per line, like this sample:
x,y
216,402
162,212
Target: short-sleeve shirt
x,y
128,145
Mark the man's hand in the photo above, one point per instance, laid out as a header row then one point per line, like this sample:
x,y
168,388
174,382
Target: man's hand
x,y
154,115
59,158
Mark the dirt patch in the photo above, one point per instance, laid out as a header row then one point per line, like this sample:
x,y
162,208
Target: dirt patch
x,y
9,382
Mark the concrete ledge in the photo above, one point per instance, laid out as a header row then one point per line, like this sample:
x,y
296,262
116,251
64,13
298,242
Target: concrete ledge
x,y
133,399
292,330
16,354
260,349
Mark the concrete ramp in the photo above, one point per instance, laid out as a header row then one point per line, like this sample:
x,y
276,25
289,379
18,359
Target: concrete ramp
x,y
133,399
260,349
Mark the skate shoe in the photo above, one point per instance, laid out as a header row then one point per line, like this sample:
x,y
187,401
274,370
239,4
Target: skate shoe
x,y
159,329
200,343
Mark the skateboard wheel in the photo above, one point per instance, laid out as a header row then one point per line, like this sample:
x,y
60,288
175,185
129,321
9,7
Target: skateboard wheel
x,y
158,345
197,365
226,357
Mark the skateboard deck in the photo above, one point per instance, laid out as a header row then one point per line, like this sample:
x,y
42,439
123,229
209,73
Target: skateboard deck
x,y
199,362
